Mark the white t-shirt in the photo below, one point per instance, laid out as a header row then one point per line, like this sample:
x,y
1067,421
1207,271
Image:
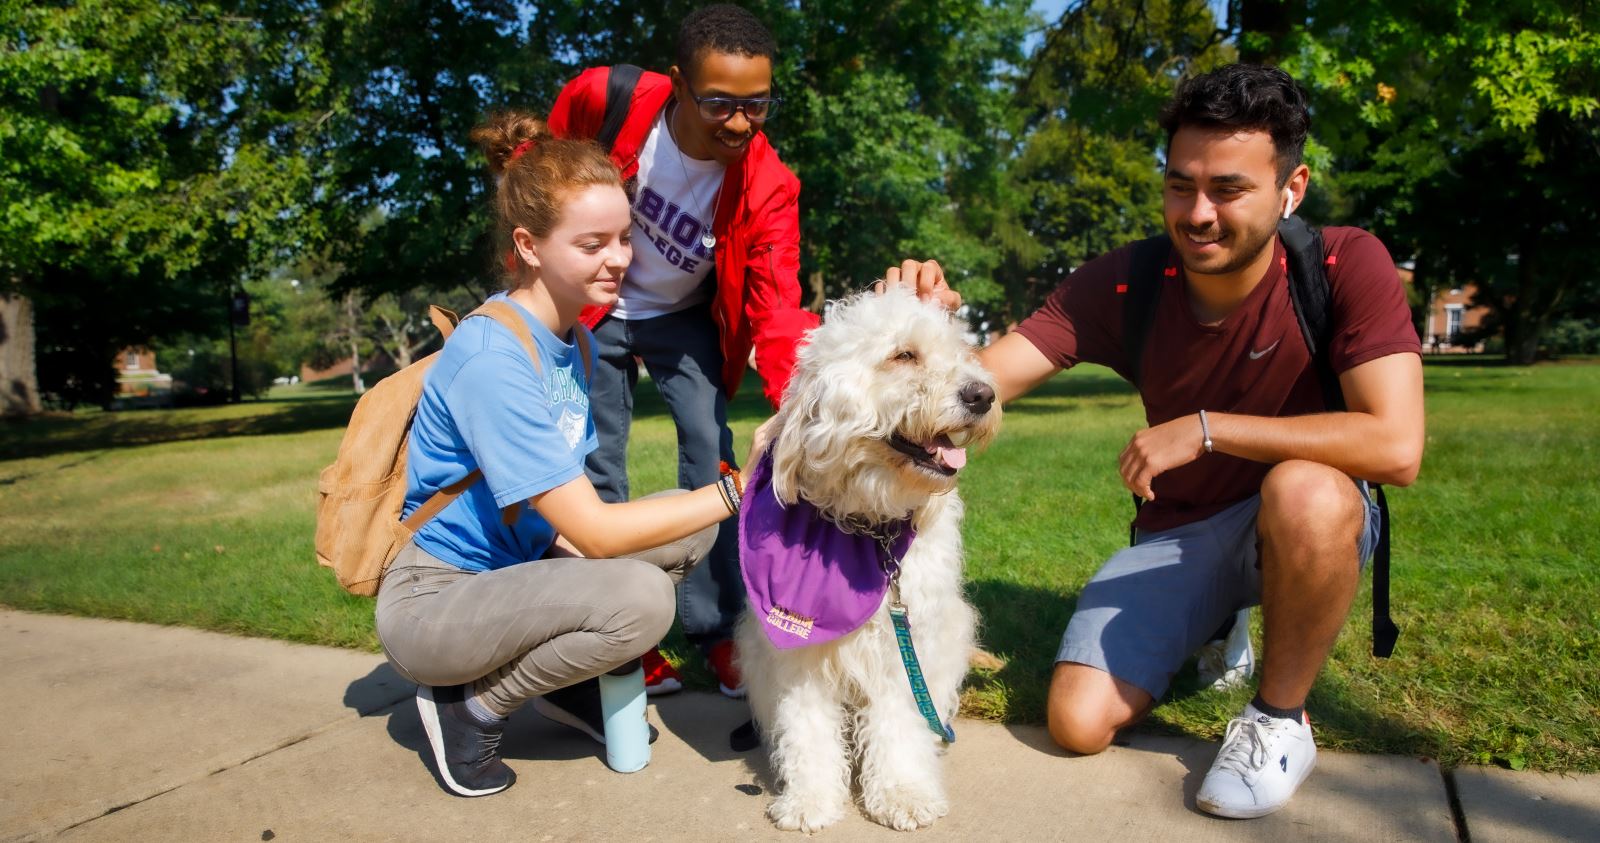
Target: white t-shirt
x,y
673,206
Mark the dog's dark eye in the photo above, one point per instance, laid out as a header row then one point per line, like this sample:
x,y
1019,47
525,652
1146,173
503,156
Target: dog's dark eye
x,y
907,356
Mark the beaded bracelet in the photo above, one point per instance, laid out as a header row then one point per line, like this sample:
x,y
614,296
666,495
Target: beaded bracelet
x,y
732,486
730,494
727,470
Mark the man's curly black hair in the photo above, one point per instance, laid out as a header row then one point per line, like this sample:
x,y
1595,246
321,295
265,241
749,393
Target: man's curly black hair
x,y
722,28
1245,97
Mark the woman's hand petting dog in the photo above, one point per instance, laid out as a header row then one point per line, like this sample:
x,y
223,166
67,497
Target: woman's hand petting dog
x,y
926,278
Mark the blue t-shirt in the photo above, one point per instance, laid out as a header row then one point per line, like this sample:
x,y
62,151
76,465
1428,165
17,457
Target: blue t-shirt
x,y
484,406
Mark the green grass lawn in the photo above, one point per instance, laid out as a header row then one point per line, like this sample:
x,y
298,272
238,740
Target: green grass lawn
x,y
204,517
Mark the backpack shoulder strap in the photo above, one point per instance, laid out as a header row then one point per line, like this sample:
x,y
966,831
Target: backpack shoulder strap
x,y
619,95
1308,289
1141,293
440,499
444,319
1312,297
508,316
1384,631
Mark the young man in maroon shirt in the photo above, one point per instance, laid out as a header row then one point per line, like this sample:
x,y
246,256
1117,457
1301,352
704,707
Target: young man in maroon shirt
x,y
1256,493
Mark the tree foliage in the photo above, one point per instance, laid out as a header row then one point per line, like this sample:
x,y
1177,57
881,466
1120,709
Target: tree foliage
x,y
154,155
1467,135
137,176
1087,177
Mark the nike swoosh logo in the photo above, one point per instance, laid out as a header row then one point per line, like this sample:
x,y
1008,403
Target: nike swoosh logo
x,y
1257,355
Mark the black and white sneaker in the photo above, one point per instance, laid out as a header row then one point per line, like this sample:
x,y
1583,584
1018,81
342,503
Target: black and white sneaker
x,y
578,706
466,752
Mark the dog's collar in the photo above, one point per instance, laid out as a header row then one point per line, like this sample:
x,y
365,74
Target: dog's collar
x,y
882,532
808,578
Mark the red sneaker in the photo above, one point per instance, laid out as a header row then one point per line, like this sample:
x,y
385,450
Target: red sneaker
x,y
660,677
721,658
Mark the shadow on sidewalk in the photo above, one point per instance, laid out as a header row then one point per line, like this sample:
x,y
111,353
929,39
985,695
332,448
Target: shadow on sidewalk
x,y
702,721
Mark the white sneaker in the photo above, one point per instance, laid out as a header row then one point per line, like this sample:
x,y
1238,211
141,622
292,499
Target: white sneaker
x,y
1228,662
1263,760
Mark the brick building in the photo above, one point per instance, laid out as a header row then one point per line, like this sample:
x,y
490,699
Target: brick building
x,y
1450,312
139,383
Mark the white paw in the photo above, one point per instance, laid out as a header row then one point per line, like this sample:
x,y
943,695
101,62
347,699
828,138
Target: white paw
x,y
792,812
905,807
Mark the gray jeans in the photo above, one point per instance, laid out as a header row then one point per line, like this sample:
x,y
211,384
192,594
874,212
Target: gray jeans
x,y
520,632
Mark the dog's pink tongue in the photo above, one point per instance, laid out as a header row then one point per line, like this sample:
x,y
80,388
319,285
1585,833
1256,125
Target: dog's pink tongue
x,y
947,453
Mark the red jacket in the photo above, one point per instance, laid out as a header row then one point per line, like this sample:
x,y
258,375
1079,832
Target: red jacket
x,y
757,226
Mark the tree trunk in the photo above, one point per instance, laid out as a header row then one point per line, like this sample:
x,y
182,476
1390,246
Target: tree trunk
x,y
1527,315
19,379
356,384
353,324
819,291
1525,351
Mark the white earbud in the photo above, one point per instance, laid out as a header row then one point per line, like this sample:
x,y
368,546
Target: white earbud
x,y
1288,202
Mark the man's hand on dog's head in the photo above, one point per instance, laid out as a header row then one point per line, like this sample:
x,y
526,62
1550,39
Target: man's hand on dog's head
x,y
925,278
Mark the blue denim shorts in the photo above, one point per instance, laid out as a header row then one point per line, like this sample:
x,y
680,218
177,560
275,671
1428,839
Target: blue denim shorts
x,y
1153,604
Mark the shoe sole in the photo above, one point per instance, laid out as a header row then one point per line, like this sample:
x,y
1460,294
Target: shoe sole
x,y
662,688
429,710
556,714
1256,811
732,693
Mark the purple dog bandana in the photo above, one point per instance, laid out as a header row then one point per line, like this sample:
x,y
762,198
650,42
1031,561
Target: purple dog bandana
x,y
809,581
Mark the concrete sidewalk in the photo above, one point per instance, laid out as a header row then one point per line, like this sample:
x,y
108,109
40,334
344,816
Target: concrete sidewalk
x,y
125,731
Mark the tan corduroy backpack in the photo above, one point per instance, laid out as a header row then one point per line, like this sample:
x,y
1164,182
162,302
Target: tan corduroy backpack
x,y
360,496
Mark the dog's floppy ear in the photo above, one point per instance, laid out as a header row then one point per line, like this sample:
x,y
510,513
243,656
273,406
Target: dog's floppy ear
x,y
821,416
788,451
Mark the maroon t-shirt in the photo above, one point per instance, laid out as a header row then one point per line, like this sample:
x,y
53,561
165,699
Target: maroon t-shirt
x,y
1255,362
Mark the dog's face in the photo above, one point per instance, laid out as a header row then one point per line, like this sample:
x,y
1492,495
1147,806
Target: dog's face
x,y
885,400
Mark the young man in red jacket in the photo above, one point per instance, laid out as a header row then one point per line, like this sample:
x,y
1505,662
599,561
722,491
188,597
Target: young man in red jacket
x,y
715,274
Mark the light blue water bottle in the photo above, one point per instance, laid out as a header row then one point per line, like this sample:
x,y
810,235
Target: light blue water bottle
x,y
622,706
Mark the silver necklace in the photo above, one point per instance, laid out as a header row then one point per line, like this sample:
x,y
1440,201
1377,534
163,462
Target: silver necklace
x,y
707,239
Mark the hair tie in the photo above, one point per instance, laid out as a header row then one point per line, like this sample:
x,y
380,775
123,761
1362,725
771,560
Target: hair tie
x,y
520,149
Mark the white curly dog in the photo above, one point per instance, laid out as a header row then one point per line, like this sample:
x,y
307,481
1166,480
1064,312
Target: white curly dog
x,y
886,397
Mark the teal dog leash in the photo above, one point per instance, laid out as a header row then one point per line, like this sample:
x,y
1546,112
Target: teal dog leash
x,y
908,652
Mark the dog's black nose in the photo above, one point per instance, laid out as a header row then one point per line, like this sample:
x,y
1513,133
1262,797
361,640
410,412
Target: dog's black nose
x,y
977,397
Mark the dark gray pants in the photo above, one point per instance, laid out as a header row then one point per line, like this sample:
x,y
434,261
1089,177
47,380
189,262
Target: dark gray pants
x,y
520,632
682,354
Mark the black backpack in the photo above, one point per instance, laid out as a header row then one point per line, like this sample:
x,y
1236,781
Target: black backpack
x,y
1308,290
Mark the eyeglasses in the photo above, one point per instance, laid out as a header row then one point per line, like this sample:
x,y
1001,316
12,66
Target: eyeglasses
x,y
718,109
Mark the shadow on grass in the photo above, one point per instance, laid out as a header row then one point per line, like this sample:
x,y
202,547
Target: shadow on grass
x,y
13,479
53,434
1024,624
1053,395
